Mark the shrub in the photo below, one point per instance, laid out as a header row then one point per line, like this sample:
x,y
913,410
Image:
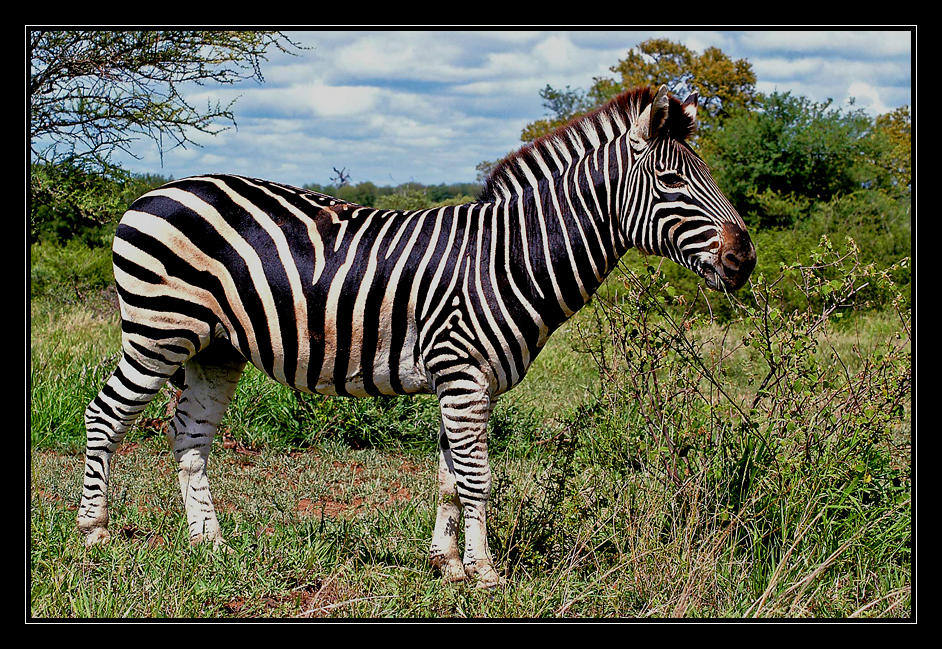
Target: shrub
x,y
264,412
68,272
792,148
67,202
760,465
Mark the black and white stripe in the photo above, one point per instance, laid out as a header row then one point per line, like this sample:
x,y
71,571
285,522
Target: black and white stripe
x,y
335,298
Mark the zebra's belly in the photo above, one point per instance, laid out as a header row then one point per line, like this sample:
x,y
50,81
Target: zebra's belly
x,y
356,371
405,377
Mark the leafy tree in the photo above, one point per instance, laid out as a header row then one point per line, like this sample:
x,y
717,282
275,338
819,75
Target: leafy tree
x,y
893,150
484,169
409,196
774,162
723,83
562,106
406,196
69,202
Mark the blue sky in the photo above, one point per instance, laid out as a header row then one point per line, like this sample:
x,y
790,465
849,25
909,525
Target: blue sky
x,y
427,106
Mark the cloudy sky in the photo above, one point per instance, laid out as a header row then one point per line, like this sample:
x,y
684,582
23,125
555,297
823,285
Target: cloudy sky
x,y
427,106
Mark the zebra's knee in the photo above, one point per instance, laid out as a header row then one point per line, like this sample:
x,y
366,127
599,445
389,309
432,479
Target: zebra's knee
x,y
191,460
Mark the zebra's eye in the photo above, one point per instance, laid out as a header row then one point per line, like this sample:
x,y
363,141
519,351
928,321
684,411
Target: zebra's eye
x,y
671,180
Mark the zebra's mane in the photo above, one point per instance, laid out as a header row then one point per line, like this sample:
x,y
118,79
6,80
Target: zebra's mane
x,y
580,137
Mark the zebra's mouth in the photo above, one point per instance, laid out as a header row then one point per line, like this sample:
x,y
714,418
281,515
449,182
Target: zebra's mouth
x,y
713,279
727,271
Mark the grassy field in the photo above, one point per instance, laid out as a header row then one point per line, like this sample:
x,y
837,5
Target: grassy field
x,y
654,463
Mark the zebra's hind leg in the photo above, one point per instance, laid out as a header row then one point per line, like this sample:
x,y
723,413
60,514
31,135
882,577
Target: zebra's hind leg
x,y
464,420
211,379
108,417
444,553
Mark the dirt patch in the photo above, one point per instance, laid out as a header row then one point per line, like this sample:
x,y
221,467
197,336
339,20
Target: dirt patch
x,y
356,467
228,442
150,426
127,448
234,606
224,506
48,496
410,467
397,494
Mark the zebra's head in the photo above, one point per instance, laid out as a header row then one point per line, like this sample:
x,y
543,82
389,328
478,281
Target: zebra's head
x,y
675,208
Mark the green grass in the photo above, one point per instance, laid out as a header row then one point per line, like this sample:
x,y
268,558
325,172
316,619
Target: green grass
x,y
339,532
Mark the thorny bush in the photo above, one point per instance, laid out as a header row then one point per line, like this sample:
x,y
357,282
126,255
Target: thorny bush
x,y
779,440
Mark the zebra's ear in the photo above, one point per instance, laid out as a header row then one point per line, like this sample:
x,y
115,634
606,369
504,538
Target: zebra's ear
x,y
690,106
659,110
652,118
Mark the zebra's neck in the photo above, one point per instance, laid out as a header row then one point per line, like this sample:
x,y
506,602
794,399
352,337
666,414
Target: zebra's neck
x,y
564,207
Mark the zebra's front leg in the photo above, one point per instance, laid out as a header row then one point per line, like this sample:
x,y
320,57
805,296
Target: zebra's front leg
x,y
211,380
464,464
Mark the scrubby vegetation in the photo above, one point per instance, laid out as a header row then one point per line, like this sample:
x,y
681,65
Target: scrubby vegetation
x,y
759,466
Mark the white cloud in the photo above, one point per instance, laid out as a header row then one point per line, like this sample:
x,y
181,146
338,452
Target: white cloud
x,y
867,96
558,52
393,106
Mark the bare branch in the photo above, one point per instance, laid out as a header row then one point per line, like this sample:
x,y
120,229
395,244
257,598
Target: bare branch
x,y
94,92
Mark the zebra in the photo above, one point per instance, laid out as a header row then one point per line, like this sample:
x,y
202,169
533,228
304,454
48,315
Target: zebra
x,y
330,297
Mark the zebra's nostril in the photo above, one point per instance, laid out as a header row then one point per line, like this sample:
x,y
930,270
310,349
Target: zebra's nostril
x,y
731,261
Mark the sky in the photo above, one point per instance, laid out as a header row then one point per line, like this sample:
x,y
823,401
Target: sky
x,y
427,106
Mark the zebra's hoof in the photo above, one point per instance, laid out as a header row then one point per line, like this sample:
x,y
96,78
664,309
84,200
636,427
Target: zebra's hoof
x,y
219,543
490,583
451,567
453,571
97,536
486,576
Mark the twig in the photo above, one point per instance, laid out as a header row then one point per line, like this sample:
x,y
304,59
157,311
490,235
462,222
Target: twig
x,y
321,609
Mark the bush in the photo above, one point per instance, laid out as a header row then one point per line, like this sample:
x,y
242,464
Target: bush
x,y
264,412
68,272
878,225
761,465
774,161
68,203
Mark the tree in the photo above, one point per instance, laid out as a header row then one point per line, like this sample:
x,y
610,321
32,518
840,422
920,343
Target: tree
x,y
94,92
774,162
893,150
562,105
71,203
722,83
484,169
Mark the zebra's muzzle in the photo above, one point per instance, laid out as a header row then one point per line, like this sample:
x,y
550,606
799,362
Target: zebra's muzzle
x,y
736,258
729,267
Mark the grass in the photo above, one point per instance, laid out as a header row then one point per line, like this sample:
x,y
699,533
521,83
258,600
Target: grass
x,y
768,481
335,532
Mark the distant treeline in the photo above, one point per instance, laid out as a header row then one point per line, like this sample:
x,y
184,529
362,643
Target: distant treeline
x,y
69,203
367,193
